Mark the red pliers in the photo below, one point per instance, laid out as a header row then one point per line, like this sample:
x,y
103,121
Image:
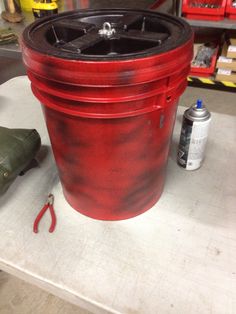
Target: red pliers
x,y
49,205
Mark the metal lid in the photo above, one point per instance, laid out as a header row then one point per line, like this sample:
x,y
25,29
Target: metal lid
x,y
197,114
107,34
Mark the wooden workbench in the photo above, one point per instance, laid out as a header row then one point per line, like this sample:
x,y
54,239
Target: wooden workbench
x,y
179,257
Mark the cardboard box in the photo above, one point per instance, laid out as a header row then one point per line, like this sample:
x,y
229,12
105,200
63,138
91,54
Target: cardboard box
x,y
226,75
226,63
231,51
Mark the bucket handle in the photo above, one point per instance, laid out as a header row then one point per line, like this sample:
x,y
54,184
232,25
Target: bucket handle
x,y
48,103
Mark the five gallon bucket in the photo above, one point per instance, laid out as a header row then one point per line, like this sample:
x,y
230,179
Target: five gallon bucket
x,y
109,83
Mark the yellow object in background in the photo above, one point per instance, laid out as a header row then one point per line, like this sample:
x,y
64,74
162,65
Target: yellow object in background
x,y
26,5
43,8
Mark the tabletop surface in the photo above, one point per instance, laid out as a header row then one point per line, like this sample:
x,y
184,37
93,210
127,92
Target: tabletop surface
x,y
178,257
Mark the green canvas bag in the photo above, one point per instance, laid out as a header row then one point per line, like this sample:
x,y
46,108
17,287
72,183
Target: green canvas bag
x,y
18,148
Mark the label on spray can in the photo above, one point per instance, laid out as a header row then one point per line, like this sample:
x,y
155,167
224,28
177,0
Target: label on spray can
x,y
184,142
193,138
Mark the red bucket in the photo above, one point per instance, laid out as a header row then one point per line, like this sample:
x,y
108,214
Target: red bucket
x,y
110,108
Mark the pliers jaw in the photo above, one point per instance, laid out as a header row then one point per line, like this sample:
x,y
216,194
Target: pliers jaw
x,y
50,199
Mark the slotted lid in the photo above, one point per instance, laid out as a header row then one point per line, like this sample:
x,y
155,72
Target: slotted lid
x,y
107,34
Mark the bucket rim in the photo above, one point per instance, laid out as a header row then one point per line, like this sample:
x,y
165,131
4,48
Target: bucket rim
x,y
170,23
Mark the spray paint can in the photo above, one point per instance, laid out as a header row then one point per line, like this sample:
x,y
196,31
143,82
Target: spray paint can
x,y
193,137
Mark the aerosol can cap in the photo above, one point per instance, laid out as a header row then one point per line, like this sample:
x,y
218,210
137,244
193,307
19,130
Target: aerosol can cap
x,y
199,104
197,112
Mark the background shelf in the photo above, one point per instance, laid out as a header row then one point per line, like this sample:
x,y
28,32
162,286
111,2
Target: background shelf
x,y
225,24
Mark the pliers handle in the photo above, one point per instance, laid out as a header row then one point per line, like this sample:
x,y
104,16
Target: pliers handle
x,y
49,204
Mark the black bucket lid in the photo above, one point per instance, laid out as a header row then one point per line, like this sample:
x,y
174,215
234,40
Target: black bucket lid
x,y
107,34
